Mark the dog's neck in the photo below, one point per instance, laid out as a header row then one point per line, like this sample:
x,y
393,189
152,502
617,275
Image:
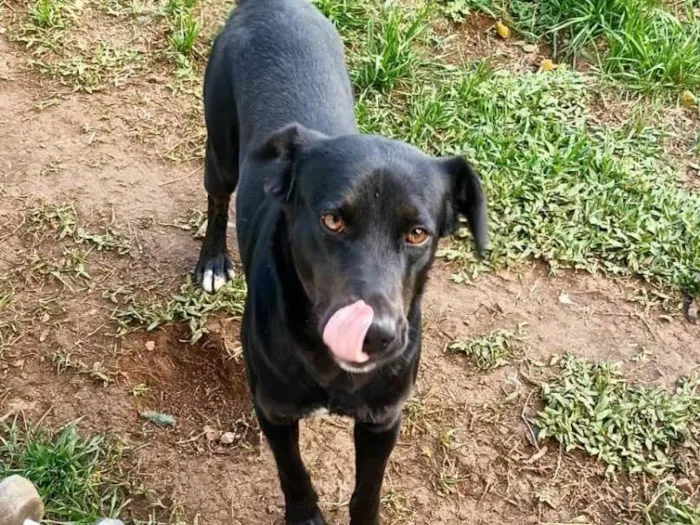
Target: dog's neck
x,y
301,310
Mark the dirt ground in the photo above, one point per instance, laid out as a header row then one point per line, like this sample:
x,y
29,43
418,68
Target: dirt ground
x,y
107,153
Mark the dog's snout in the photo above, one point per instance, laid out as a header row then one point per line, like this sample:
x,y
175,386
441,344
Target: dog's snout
x,y
384,335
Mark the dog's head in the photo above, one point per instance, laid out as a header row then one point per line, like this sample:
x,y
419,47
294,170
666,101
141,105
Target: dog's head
x,y
364,215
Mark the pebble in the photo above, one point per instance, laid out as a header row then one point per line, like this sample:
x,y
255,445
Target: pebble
x,y
211,434
227,438
150,345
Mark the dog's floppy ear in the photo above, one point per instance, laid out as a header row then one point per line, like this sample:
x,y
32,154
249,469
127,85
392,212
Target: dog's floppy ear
x,y
465,198
285,146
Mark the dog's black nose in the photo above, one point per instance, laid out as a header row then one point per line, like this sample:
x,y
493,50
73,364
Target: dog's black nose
x,y
382,335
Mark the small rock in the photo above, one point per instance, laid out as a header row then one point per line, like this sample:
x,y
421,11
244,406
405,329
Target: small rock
x,y
45,318
564,298
529,48
227,438
211,434
150,345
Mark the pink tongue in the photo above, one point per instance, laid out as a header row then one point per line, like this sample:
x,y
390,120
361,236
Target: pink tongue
x,y
345,332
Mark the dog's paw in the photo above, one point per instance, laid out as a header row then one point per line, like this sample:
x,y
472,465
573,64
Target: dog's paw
x,y
316,520
214,272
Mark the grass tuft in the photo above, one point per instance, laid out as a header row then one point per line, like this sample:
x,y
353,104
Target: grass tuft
x,y
191,305
388,48
491,351
670,507
48,14
78,478
184,30
646,44
591,407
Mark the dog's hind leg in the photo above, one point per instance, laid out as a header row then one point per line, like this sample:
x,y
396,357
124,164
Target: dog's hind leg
x,y
214,267
301,507
373,446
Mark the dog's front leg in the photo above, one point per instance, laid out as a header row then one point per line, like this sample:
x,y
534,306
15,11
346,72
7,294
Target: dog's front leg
x,y
300,498
373,446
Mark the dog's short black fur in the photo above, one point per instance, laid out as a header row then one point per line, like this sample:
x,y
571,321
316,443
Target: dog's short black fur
x,y
280,122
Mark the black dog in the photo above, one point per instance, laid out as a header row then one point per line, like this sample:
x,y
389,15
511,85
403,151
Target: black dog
x,y
336,232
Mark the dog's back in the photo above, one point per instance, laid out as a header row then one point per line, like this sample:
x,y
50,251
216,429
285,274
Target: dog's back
x,y
289,59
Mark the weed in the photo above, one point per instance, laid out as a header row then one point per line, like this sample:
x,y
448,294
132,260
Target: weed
x,y
491,351
9,323
458,10
192,221
592,407
397,506
59,217
419,415
108,240
191,305
63,219
177,7
45,26
639,42
345,14
92,74
448,476
185,34
48,14
655,51
140,390
670,507
78,478
388,53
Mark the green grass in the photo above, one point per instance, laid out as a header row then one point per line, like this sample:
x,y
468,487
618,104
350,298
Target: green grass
x,y
655,51
458,10
184,30
48,14
592,407
388,50
345,14
561,187
191,305
671,507
62,219
78,478
642,43
491,351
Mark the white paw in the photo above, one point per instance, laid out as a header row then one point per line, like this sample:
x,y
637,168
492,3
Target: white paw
x,y
208,281
219,282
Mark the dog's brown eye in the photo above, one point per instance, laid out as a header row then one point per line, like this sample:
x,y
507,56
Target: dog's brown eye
x,y
417,236
333,222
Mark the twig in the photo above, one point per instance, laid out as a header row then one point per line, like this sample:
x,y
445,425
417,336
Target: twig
x,y
173,181
533,437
